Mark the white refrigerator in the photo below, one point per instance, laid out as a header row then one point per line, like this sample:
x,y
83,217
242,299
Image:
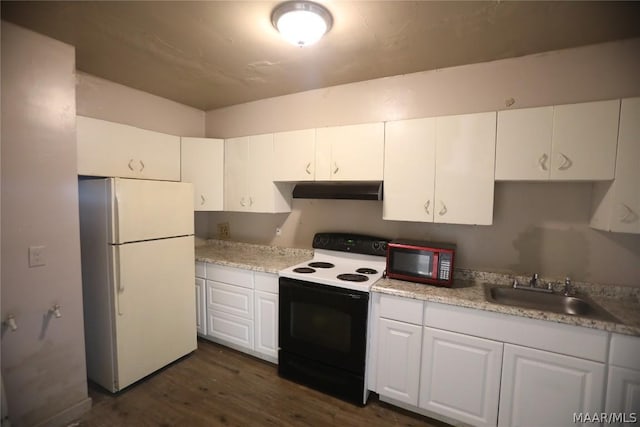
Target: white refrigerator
x,y
137,277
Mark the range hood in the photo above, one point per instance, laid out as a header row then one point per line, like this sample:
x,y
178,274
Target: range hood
x,y
350,190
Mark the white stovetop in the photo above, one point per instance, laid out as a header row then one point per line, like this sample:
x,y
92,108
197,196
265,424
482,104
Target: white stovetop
x,y
344,263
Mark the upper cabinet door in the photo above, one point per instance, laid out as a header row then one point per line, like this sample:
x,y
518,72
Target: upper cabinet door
x,y
259,168
523,144
236,185
616,205
117,150
295,155
409,170
202,163
350,153
465,160
584,141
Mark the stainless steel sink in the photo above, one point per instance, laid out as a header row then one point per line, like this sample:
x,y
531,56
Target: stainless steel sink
x,y
577,305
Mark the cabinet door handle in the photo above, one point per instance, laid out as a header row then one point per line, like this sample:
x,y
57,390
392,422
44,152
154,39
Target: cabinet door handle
x,y
629,215
542,161
335,168
426,206
141,165
566,163
242,202
443,210
202,200
130,164
307,169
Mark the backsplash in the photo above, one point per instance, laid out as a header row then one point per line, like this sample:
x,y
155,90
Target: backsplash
x,y
537,228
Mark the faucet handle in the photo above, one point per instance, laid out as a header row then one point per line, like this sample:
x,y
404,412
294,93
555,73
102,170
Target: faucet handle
x,y
567,286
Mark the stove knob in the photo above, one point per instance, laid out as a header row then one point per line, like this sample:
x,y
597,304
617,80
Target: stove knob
x,y
376,246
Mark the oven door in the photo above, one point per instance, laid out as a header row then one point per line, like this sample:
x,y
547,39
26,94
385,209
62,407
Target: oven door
x,y
324,323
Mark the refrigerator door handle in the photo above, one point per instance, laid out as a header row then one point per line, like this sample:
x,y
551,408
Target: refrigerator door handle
x,y
117,280
116,217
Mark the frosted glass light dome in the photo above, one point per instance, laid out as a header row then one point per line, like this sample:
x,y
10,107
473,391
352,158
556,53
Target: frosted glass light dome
x,y
301,23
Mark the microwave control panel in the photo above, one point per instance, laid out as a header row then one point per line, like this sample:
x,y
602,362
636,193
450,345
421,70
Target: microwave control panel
x,y
444,268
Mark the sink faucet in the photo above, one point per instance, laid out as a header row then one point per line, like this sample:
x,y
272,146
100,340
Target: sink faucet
x,y
533,285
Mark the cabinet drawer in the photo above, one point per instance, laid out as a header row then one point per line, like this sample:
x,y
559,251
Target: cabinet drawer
x,y
402,309
625,351
233,329
229,299
266,282
231,275
200,270
556,337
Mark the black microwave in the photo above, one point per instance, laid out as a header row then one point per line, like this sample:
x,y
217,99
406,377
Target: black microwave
x,y
422,262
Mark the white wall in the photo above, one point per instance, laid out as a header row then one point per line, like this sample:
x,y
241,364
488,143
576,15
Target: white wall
x,y
43,361
537,227
106,100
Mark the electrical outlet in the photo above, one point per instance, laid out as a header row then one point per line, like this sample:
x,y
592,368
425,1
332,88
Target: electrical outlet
x,y
224,230
37,256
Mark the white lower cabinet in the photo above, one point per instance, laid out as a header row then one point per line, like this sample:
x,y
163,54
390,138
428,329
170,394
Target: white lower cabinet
x,y
201,300
460,376
266,315
540,388
623,394
399,359
486,369
623,383
242,310
200,306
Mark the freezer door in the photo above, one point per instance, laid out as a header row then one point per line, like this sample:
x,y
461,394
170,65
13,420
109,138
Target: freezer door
x,y
155,318
144,210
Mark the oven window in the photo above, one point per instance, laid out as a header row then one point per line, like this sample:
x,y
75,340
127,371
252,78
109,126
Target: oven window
x,y
413,262
321,326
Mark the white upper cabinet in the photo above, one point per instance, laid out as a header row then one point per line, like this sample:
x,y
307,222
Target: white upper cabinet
x,y
295,155
236,179
465,161
575,142
248,176
584,141
202,163
117,150
616,205
350,153
523,144
409,170
440,169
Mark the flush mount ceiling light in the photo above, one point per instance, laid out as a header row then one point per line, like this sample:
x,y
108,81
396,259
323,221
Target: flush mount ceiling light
x,y
301,23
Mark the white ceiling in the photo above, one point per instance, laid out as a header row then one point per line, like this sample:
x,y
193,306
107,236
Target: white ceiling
x,y
211,54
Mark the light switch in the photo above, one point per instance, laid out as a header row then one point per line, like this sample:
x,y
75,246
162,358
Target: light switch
x,y
37,256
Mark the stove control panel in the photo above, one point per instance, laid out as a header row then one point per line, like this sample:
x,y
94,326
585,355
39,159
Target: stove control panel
x,y
347,242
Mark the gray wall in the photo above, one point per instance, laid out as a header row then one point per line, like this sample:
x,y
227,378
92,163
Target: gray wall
x,y
43,361
537,227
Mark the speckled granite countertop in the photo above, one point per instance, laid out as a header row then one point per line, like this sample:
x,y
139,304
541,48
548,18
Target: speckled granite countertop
x,y
468,291
268,259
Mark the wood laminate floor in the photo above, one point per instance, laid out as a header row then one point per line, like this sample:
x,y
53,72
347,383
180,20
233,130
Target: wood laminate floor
x,y
217,386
